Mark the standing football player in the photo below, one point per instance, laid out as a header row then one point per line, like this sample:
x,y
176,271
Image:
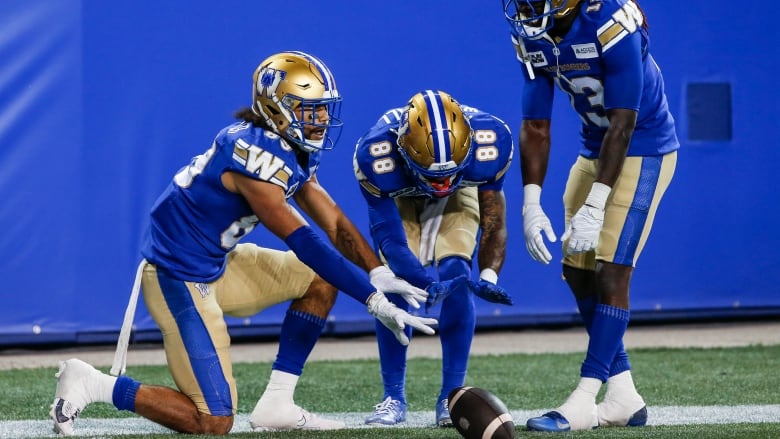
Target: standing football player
x,y
597,52
196,271
432,174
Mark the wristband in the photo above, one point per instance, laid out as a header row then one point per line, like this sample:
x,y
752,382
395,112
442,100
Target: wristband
x,y
598,195
488,274
532,194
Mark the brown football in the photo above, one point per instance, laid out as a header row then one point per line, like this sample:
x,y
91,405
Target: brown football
x,y
477,413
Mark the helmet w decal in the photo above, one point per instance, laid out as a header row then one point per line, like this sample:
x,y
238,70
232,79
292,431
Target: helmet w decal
x,y
435,141
287,81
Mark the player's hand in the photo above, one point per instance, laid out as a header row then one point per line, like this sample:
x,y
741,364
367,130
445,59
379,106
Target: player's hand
x,y
384,280
584,229
491,292
396,319
534,222
438,291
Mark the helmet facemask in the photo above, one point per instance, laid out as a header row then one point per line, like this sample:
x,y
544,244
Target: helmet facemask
x,y
313,118
532,19
296,95
434,138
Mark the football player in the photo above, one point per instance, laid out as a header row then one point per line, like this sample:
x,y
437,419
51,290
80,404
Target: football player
x,y
196,270
432,174
597,52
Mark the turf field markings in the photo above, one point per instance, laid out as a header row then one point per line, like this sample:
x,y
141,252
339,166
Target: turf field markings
x,y
668,415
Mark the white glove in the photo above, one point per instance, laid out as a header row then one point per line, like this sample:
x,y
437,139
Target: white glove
x,y
534,222
384,280
585,226
396,319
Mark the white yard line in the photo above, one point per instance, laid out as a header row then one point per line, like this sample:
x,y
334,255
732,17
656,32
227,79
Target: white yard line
x,y
656,416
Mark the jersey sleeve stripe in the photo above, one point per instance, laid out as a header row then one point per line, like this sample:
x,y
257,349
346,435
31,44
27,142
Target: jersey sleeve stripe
x,y
241,151
610,34
370,188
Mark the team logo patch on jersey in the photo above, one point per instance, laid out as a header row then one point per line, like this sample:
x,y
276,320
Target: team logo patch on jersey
x,y
537,59
203,289
585,51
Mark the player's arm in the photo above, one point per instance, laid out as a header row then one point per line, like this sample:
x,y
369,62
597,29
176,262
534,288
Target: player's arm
x,y
269,204
537,101
492,243
272,209
615,144
534,158
534,150
623,80
388,232
317,203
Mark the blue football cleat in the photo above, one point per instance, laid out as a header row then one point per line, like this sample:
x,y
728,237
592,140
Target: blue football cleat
x,y
638,419
550,421
388,412
443,418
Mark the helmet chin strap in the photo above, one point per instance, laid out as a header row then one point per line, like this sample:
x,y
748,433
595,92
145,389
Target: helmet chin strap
x,y
316,144
536,32
296,136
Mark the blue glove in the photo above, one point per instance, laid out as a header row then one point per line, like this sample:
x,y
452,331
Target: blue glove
x,y
491,292
438,291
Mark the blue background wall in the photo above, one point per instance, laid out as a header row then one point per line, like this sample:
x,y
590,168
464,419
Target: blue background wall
x,y
101,102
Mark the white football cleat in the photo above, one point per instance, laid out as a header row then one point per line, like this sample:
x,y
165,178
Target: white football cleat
x,y
72,394
622,406
272,417
625,411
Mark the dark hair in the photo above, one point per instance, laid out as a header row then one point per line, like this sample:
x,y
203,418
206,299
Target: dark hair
x,y
247,115
645,25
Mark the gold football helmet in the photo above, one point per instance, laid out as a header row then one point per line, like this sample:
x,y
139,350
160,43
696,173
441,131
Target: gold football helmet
x,y
434,138
290,81
531,19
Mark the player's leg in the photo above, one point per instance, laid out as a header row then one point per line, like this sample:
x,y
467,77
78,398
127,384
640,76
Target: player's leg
x,y
392,354
256,278
634,202
392,361
457,320
187,314
454,248
578,412
582,283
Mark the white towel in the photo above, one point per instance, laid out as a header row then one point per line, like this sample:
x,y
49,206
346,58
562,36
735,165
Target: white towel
x,y
430,221
120,356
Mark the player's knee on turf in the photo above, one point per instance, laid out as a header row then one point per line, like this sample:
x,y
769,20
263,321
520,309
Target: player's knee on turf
x,y
218,425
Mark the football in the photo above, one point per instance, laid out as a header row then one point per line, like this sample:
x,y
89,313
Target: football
x,y
477,413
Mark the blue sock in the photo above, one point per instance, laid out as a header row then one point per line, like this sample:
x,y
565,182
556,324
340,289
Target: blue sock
x,y
606,334
456,327
392,355
300,332
125,390
620,363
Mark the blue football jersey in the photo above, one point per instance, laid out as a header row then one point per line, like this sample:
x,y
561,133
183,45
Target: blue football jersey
x,y
382,172
603,62
196,221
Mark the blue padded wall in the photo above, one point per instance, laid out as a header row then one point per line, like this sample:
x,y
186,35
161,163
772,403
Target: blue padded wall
x,y
101,102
